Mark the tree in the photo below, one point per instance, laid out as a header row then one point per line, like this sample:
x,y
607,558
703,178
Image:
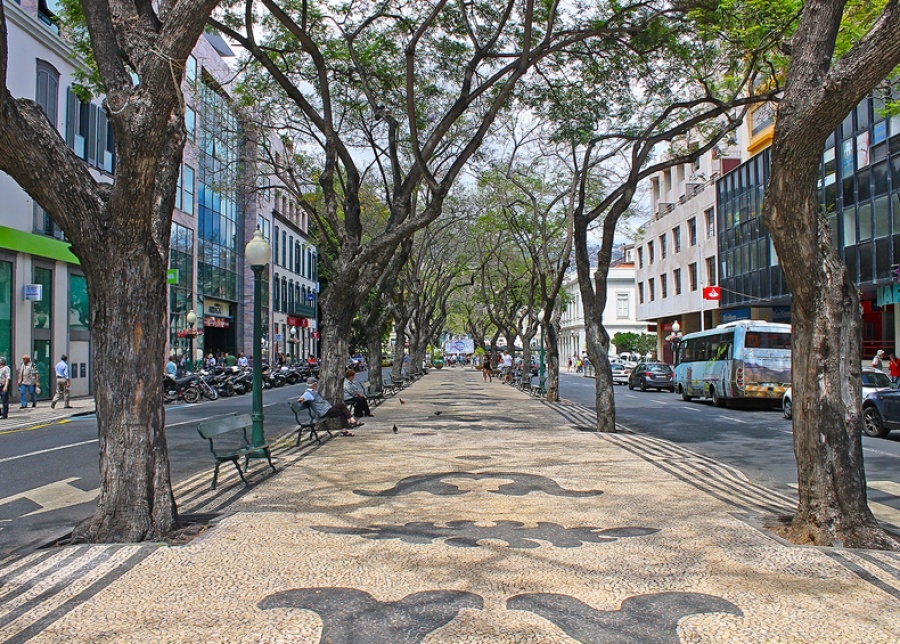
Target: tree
x,y
418,87
820,89
682,85
120,233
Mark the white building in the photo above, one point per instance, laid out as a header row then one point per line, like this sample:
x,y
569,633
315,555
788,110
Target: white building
x,y
619,316
677,252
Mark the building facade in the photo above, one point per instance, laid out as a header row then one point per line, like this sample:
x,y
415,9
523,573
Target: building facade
x,y
619,316
221,199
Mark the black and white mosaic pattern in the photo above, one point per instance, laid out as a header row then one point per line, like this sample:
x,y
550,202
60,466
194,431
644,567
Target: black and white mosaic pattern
x,y
521,484
466,534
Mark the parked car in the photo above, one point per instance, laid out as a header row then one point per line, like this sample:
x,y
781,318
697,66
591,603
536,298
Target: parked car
x,y
620,373
872,380
881,412
652,375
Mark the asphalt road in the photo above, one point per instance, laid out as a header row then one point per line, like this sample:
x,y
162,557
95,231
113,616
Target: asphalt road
x,y
756,441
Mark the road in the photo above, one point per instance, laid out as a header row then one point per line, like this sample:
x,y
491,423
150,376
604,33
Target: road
x,y
49,476
758,442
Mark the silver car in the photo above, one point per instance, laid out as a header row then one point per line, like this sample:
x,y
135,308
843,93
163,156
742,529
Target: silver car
x,y
872,380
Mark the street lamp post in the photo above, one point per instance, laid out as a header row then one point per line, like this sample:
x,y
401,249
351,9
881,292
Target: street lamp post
x,y
192,333
258,254
541,368
293,342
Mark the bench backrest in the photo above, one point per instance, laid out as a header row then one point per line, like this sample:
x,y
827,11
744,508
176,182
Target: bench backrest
x,y
303,412
224,425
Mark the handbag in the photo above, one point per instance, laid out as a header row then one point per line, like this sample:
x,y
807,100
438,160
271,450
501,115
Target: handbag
x,y
37,389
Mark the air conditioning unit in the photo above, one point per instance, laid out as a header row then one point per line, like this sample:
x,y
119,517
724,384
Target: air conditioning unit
x,y
664,208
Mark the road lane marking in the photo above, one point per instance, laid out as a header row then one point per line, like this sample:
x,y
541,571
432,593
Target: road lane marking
x,y
45,451
734,420
54,496
889,487
691,408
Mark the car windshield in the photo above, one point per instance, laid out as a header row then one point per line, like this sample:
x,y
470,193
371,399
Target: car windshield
x,y
876,379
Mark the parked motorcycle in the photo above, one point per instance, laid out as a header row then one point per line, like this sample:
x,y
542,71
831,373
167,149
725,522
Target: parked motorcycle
x,y
180,389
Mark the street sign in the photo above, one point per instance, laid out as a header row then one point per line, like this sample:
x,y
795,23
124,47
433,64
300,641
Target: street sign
x,y
712,293
314,335
33,292
171,276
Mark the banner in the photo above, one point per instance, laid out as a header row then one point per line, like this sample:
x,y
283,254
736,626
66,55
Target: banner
x,y
459,346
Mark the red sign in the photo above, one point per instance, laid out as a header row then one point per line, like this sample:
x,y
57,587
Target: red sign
x,y
314,335
301,322
712,293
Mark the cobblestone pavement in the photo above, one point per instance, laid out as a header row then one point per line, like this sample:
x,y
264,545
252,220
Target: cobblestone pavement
x,y
43,414
487,517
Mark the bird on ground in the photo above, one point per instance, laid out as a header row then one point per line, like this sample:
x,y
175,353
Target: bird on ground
x,y
395,430
402,402
438,413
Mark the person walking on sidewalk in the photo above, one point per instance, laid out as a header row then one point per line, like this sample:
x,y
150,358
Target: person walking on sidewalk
x,y
5,377
27,381
507,366
62,382
326,410
486,371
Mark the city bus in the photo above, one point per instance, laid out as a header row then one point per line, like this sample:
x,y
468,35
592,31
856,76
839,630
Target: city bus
x,y
746,360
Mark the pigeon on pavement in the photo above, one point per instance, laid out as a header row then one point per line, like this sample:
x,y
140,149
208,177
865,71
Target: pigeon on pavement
x,y
438,413
394,428
402,402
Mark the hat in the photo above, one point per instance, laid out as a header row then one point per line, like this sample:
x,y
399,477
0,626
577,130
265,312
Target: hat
x,y
311,380
880,352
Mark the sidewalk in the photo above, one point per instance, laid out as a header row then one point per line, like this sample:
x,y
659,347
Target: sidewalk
x,y
496,521
43,415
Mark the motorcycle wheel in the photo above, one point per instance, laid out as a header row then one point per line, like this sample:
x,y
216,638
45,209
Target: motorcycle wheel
x,y
191,395
210,393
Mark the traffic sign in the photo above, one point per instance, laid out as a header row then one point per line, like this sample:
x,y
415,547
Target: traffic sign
x,y
712,293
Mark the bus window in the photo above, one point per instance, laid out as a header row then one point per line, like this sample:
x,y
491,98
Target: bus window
x,y
687,351
767,340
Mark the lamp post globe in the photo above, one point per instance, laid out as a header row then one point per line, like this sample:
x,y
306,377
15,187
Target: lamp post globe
x,y
191,319
258,253
676,328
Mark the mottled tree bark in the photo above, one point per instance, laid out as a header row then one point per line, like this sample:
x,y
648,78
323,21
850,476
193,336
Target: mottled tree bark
x,y
825,308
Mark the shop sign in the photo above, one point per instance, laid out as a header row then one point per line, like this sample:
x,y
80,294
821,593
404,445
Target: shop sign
x,y
33,292
735,315
888,294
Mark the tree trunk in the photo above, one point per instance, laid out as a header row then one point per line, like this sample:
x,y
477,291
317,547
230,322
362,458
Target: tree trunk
x,y
128,306
825,306
553,357
373,345
336,322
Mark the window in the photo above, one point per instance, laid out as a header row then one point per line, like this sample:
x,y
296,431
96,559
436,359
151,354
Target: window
x,y
692,231
89,133
184,196
692,276
275,247
276,292
190,122
676,280
640,292
284,248
711,271
650,252
623,306
79,308
676,238
710,219
664,285
298,258
641,257
652,286
290,252
662,247
190,70
47,95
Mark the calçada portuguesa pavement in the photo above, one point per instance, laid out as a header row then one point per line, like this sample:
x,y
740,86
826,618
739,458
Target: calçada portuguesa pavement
x,y
495,521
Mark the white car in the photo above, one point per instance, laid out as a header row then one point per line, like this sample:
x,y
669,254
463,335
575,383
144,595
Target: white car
x,y
620,373
872,380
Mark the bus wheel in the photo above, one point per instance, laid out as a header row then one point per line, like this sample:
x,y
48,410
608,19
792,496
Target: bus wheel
x,y
684,395
717,400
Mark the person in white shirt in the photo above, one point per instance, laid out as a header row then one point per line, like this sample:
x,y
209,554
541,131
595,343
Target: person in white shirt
x,y
242,360
62,383
507,366
5,376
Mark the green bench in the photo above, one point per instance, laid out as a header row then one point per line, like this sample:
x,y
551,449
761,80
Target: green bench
x,y
229,441
307,418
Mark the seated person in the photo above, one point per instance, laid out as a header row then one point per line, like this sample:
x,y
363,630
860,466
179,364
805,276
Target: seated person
x,y
326,410
354,394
